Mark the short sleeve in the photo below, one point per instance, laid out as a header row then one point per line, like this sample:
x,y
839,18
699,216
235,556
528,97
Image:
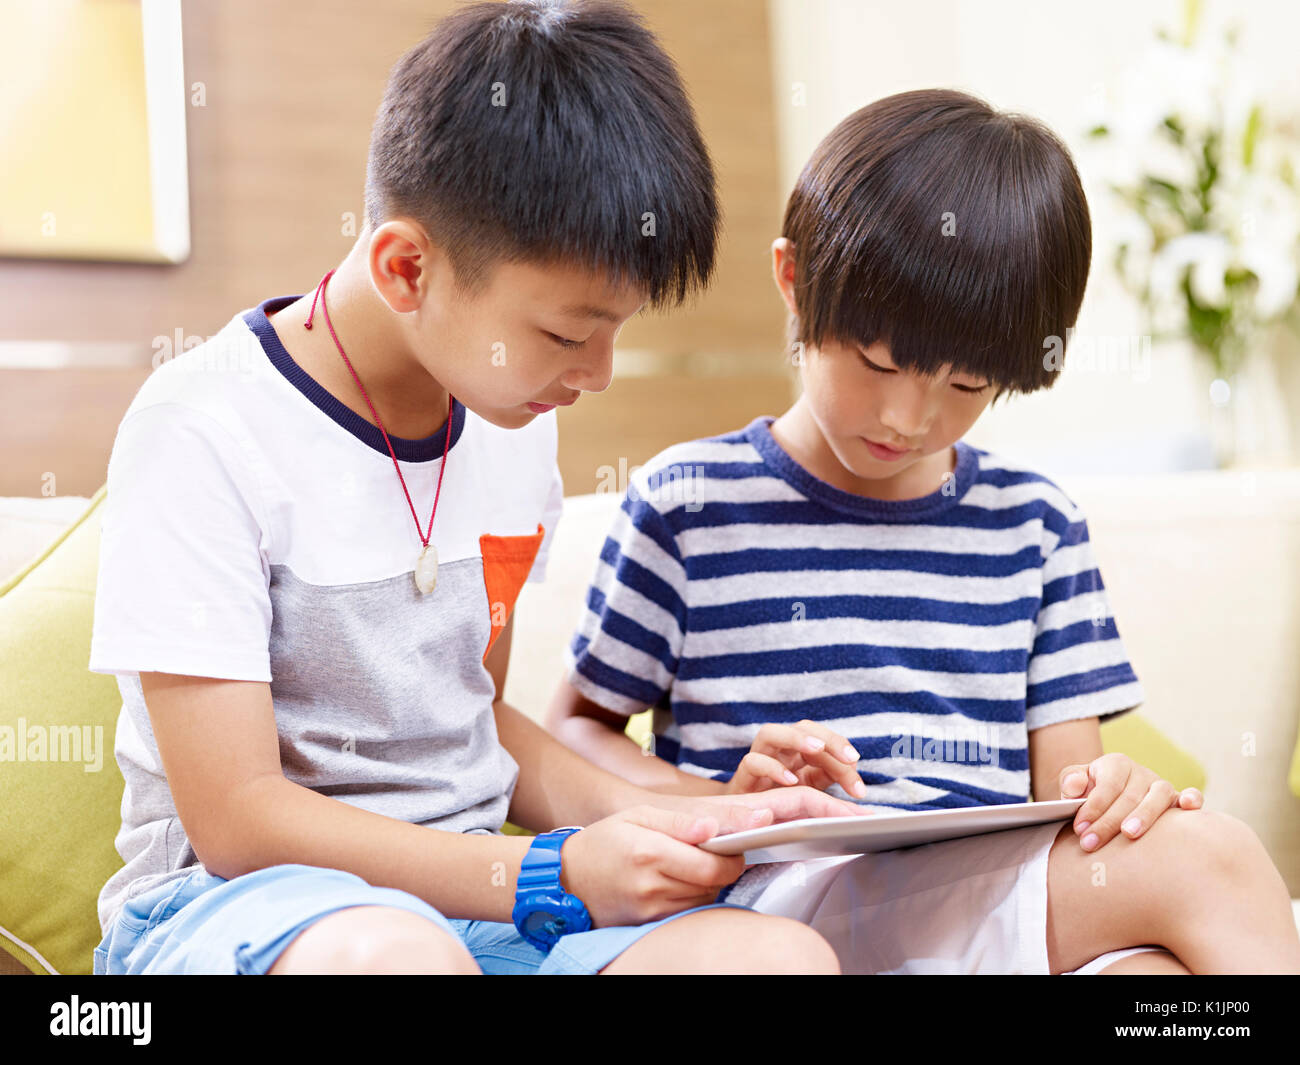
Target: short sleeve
x,y
550,518
183,585
1078,666
625,652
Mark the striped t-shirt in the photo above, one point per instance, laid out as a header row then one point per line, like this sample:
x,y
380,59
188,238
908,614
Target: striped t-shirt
x,y
736,588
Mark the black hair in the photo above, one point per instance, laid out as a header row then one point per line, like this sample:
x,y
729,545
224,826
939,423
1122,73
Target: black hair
x,y
954,233
545,131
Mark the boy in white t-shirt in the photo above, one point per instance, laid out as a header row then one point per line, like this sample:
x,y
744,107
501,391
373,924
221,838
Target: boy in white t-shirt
x,y
923,628
317,525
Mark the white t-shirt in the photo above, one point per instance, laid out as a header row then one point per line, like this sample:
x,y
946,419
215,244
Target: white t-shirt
x,y
255,529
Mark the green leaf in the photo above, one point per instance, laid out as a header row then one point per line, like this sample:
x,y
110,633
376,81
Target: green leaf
x,y
1251,135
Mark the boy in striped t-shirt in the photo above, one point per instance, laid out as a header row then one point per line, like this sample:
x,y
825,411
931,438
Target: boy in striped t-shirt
x,y
853,597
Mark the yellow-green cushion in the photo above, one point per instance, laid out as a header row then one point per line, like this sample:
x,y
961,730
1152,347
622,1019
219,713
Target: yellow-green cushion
x,y
1147,745
1294,778
57,820
1127,734
58,817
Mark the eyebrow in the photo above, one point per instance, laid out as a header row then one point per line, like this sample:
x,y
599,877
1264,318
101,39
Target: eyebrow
x,y
586,310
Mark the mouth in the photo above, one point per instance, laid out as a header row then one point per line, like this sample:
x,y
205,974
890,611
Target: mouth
x,y
888,454
542,408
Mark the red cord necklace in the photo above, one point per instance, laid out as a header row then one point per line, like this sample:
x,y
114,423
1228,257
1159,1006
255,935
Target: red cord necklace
x,y
426,566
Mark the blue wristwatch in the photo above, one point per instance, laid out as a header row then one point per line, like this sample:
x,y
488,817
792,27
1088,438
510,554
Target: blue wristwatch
x,y
544,911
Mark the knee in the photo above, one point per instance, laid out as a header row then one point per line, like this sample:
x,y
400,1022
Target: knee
x,y
375,940
782,945
1225,845
1207,846
399,941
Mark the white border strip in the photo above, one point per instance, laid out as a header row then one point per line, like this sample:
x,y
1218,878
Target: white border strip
x,y
164,75
29,949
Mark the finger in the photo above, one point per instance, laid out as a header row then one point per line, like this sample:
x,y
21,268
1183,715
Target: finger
x,y
765,767
789,804
805,737
846,776
1106,826
733,815
1191,799
812,743
1074,781
693,824
1107,777
834,744
812,777
668,896
1161,796
744,783
695,870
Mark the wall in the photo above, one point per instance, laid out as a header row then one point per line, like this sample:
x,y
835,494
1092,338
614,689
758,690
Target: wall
x,y
1049,60
277,157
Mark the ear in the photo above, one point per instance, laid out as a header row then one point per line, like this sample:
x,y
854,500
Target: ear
x,y
783,270
398,254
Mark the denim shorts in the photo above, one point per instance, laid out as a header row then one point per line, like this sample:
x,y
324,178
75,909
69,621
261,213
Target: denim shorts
x,y
200,923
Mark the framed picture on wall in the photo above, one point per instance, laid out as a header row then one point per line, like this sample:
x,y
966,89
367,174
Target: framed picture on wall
x,y
92,131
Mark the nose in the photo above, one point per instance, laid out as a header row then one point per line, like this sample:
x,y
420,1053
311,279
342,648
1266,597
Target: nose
x,y
907,409
594,372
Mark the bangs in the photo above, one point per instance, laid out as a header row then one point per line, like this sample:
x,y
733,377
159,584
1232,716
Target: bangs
x,y
956,235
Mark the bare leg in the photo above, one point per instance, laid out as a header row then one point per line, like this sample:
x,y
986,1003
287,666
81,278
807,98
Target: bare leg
x,y
373,939
1198,882
1148,963
728,941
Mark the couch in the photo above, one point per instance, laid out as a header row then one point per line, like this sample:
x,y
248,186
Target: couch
x,y
1203,572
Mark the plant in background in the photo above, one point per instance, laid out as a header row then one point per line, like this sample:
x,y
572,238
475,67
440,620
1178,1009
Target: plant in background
x,y
1208,236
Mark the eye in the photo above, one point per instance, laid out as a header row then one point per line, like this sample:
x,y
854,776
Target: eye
x,y
566,343
972,391
878,369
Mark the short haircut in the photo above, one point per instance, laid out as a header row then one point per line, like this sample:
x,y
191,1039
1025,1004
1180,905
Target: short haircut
x,y
539,131
954,233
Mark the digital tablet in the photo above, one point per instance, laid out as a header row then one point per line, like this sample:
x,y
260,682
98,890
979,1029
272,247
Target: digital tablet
x,y
885,830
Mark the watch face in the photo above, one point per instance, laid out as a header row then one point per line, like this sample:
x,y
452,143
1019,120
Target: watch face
x,y
544,917
536,922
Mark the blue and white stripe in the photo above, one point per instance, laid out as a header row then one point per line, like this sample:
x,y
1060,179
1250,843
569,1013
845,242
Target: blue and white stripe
x,y
745,590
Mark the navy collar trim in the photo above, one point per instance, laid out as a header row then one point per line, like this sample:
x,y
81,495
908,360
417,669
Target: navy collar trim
x,y
407,449
759,434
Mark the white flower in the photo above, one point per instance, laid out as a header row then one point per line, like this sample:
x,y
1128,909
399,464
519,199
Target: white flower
x,y
1275,266
1206,253
1262,216
1167,80
1253,216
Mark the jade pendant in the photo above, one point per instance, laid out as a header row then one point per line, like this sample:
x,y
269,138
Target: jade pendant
x,y
426,569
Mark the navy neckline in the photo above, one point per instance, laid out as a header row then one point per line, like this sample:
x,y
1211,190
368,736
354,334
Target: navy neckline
x,y
407,449
759,434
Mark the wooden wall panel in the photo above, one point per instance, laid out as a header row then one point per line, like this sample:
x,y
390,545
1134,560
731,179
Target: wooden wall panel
x,y
277,157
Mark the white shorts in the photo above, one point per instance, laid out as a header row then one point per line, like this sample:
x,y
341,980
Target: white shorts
x,y
972,905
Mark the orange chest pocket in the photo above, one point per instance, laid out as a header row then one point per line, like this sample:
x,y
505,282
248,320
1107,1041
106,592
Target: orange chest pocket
x,y
506,563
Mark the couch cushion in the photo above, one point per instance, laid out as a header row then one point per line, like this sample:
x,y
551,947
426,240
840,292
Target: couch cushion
x,y
55,864
60,789
28,525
